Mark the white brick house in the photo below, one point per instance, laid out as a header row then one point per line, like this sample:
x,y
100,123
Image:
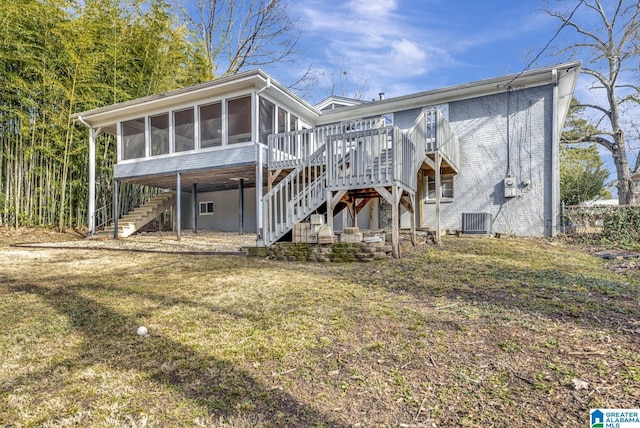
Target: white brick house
x,y
245,153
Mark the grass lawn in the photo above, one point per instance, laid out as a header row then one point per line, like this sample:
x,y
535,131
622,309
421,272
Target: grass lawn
x,y
476,333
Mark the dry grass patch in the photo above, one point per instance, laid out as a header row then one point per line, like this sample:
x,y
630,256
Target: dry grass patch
x,y
476,333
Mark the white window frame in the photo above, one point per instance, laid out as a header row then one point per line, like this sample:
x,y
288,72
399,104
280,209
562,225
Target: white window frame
x,y
447,188
206,205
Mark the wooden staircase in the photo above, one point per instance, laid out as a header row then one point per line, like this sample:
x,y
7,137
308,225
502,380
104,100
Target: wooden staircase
x,y
139,217
330,167
334,160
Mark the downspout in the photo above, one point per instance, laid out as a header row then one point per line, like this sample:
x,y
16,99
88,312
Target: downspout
x,y
268,85
91,209
555,154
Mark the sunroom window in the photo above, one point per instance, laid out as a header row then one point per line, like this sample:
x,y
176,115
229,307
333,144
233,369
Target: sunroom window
x,y
282,120
133,139
159,134
184,130
267,114
239,120
293,123
211,125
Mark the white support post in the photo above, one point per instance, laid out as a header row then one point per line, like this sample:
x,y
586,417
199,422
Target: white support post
x,y
178,219
92,182
194,208
259,190
438,194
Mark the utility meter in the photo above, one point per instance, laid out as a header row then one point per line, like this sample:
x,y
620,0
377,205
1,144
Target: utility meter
x,y
510,187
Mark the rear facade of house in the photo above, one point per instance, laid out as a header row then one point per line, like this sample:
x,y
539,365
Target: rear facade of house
x,y
245,154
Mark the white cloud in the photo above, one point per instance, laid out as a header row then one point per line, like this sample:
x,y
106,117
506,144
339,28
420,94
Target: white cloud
x,y
412,43
377,8
407,56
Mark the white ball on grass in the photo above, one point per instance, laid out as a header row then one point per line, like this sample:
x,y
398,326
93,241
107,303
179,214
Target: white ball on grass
x,y
142,331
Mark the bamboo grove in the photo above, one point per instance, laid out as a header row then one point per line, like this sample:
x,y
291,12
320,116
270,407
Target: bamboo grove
x,y
58,57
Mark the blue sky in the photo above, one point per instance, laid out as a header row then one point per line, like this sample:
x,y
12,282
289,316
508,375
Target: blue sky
x,y
404,46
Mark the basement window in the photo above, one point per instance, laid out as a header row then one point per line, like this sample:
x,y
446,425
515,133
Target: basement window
x,y
206,208
446,187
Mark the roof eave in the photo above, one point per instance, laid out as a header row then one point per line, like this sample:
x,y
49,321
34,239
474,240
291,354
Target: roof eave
x,y
532,78
253,78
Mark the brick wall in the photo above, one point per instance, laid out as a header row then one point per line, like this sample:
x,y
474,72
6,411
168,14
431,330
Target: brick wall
x,y
487,156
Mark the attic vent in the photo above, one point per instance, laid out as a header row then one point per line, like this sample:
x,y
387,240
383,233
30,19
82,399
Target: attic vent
x,y
476,223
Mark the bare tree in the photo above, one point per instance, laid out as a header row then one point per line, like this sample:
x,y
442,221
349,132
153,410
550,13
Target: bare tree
x,y
238,34
338,80
612,50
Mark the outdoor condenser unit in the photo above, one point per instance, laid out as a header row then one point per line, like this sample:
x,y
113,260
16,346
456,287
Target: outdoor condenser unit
x,y
476,223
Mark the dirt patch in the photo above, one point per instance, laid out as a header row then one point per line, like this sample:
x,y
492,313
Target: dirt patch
x,y
204,242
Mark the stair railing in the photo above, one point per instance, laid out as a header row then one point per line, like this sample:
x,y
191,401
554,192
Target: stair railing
x,y
371,158
404,156
291,149
446,141
431,132
103,216
303,190
290,201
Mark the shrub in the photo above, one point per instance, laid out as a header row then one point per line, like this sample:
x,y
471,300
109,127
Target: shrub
x,y
621,227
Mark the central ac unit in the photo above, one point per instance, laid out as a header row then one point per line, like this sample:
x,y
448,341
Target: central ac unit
x,y
476,223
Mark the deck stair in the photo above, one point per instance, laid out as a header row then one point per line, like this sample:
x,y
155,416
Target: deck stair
x,y
348,157
139,217
346,160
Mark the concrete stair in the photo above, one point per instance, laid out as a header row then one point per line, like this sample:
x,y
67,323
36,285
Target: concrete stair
x,y
141,216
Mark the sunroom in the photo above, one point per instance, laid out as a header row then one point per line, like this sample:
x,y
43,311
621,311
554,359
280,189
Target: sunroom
x,y
203,148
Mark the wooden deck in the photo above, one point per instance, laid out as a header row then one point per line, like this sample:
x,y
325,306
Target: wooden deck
x,y
322,168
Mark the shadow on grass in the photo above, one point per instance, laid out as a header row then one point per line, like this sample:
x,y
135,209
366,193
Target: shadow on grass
x,y
216,386
128,250
562,292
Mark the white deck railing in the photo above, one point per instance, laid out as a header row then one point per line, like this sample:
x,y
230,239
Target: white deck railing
x,y
438,136
290,149
293,199
351,155
370,158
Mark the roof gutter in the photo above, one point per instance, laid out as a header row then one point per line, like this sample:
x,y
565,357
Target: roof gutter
x,y
267,86
82,121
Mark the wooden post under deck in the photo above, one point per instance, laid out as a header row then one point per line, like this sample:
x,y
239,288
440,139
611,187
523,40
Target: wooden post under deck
x,y
178,185
395,218
241,206
116,209
329,210
194,209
